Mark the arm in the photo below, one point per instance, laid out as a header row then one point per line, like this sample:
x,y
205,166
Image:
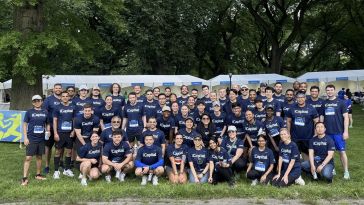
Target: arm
x,y
247,137
26,140
163,149
223,131
157,164
173,164
289,123
79,136
125,120
192,167
279,168
289,168
312,162
328,158
250,165
102,124
346,126
238,154
55,131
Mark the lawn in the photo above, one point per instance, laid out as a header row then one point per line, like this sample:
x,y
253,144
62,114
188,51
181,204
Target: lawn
x,y
67,190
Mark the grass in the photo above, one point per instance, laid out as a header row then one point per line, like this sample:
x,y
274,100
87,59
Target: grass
x,y
67,190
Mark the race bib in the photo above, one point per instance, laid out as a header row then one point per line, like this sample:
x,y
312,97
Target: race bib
x,y
285,158
177,160
38,129
116,160
330,111
107,125
260,166
133,123
66,126
299,121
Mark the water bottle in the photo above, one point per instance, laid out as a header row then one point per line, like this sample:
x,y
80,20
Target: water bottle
x,y
47,135
314,175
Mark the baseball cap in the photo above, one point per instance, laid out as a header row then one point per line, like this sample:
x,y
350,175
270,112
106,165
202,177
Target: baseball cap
x,y
244,86
36,97
216,103
166,108
232,128
95,88
83,87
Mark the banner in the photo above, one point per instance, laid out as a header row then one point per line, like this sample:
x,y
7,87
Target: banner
x,y
11,126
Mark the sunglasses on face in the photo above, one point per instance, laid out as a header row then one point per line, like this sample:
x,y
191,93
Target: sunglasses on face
x,y
244,89
205,118
115,121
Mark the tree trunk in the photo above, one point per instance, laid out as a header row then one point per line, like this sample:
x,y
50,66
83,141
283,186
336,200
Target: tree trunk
x,y
276,59
27,19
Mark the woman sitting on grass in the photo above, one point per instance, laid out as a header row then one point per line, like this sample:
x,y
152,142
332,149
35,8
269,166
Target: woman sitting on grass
x,y
175,164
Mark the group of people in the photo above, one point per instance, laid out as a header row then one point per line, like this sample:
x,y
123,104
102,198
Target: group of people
x,y
270,136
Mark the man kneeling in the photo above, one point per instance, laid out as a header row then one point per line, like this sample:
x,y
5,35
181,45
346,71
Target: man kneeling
x,y
149,161
117,156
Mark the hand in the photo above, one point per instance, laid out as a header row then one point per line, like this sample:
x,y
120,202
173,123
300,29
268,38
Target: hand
x,y
319,168
263,178
210,180
197,180
200,176
93,161
26,142
145,170
118,166
285,179
346,135
276,176
56,137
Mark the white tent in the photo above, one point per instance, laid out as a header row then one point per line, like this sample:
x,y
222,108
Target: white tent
x,y
252,80
351,79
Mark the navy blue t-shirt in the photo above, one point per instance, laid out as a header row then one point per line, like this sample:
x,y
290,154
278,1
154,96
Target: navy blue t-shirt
x,y
273,127
79,103
219,122
232,146
262,159
179,154
141,99
116,153
318,105
118,102
274,103
228,109
180,121
149,155
86,125
50,104
97,104
166,125
250,105
188,136
135,114
285,108
252,130
222,102
238,122
65,115
321,147
89,152
302,126
279,98
220,156
259,115
208,103
197,117
158,136
334,119
192,111
199,158
106,136
150,109
106,115
182,100
37,120
290,152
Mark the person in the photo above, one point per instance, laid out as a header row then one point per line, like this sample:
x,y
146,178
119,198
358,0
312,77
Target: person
x,y
167,124
139,97
36,129
272,125
172,99
341,94
161,103
349,104
303,87
168,92
149,162
235,148
156,92
219,120
336,121
89,156
81,100
289,167
259,111
300,122
222,96
106,134
188,133
150,105
176,160
321,154
261,94
200,110
271,101
206,129
117,156
184,94
260,168
278,88
181,117
252,129
213,96
201,168
288,103
95,99
314,99
85,125
134,119
158,135
251,103
50,104
348,93
194,93
244,93
118,101
63,117
106,113
191,104
237,119
175,110
206,98
71,93
296,87
222,164
233,99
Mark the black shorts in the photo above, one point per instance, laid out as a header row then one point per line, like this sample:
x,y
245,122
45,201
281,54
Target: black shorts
x,y
78,165
132,135
35,148
78,143
50,142
350,111
302,145
65,141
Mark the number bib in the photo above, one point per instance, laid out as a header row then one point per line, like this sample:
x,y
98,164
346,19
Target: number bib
x,y
260,166
330,111
66,126
38,129
285,158
107,125
274,132
133,123
299,121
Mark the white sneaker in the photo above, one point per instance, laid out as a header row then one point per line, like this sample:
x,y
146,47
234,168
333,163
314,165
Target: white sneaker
x,y
80,176
155,180
300,181
117,174
84,182
254,182
144,181
346,175
334,172
56,175
68,173
108,178
122,177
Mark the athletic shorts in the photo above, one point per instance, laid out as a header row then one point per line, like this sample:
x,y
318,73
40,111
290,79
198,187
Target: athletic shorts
x,y
340,143
50,142
303,145
65,141
35,148
350,111
132,135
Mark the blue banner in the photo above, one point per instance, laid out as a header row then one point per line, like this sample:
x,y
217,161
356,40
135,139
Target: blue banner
x,y
224,82
253,82
196,83
281,81
312,80
65,85
11,126
134,84
104,85
342,78
168,84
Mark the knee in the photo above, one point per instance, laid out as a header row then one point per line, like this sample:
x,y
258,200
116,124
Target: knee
x,y
159,171
86,164
138,172
28,158
94,174
105,168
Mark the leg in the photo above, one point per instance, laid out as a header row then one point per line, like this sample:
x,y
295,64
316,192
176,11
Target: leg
x,y
239,165
128,167
105,169
326,172
171,176
344,161
306,166
39,163
85,168
94,173
159,171
182,178
68,158
191,178
57,158
27,161
204,178
139,172
253,174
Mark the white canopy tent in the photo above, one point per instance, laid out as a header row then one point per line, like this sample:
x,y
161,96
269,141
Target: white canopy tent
x,y
252,80
351,79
